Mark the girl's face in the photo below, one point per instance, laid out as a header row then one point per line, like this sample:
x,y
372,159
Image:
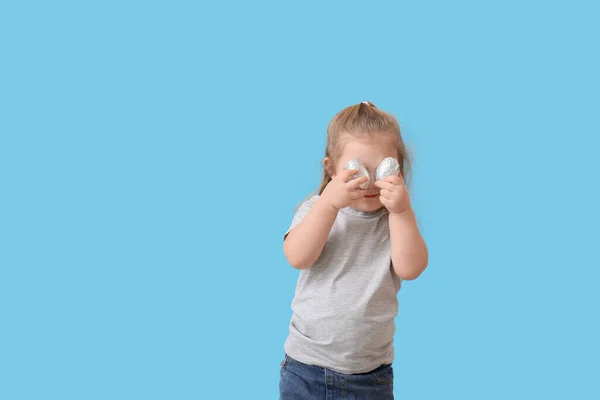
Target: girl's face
x,y
370,151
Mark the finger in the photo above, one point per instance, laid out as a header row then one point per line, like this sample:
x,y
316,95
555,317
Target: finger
x,y
384,201
347,173
357,194
383,184
355,183
394,179
385,194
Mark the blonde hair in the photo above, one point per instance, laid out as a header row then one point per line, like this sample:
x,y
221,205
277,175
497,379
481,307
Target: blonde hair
x,y
362,121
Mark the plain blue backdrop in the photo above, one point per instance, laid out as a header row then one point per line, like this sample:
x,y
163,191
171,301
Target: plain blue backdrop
x,y
152,154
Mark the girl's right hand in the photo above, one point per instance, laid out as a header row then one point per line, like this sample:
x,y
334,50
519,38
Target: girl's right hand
x,y
340,192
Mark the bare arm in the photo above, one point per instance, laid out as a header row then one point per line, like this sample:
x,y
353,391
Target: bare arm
x,y
409,251
303,245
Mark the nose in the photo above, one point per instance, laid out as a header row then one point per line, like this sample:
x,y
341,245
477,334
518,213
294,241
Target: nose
x,y
372,189
371,180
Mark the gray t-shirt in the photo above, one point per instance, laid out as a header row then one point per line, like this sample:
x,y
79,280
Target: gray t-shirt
x,y
345,303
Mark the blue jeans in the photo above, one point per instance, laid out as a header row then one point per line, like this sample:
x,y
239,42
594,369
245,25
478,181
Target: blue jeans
x,y
299,381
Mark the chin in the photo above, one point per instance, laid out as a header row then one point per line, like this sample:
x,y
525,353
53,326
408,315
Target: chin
x,y
368,205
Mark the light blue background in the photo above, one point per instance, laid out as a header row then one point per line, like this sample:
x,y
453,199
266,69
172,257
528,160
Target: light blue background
x,y
152,154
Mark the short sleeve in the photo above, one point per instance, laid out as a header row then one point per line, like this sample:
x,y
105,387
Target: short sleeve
x,y
301,213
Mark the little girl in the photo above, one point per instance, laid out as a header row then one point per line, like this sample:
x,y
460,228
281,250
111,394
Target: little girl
x,y
354,246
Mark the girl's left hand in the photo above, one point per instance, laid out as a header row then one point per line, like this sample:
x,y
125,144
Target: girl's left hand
x,y
393,194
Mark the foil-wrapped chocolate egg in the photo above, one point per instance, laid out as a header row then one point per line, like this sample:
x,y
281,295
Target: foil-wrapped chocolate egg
x,y
355,163
387,167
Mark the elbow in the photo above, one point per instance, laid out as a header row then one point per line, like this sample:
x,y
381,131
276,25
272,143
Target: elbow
x,y
297,263
411,273
295,259
408,276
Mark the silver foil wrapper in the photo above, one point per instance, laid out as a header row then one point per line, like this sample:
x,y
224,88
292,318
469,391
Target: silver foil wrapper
x,y
355,163
387,167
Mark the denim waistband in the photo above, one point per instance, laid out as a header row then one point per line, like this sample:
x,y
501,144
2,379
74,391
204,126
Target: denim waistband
x,y
288,358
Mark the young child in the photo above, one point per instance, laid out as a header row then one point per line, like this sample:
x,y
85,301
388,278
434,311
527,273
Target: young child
x,y
354,247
